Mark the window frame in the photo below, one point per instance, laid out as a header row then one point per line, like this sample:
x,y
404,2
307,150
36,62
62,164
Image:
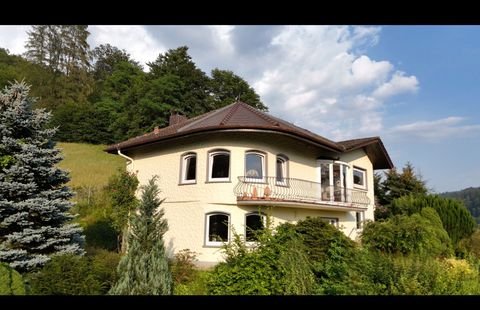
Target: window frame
x,y
359,219
329,219
183,168
263,157
207,229
262,216
364,172
285,171
211,156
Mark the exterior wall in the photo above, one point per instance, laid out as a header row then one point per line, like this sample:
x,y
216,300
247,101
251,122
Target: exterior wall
x,y
186,205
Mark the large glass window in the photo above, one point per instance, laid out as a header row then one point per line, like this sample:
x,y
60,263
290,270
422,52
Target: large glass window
x,y
281,170
330,220
217,228
219,166
189,168
254,166
334,181
359,178
359,219
254,222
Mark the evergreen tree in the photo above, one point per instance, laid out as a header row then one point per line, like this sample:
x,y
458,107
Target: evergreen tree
x,y
396,185
34,200
227,87
144,270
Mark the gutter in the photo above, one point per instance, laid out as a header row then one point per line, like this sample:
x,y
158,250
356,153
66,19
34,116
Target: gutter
x,y
127,158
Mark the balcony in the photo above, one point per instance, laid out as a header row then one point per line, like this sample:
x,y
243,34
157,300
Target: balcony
x,y
298,193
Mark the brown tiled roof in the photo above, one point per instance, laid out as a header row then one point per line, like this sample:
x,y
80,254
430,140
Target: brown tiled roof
x,y
374,148
237,115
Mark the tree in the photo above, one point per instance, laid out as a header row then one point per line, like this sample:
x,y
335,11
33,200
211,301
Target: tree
x,y
34,201
144,270
105,58
11,282
194,100
121,190
64,51
396,185
227,87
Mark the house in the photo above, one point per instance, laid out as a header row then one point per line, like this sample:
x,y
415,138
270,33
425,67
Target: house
x,y
225,169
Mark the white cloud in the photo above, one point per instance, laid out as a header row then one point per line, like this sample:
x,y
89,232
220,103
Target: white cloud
x,y
13,38
136,40
397,85
435,130
319,80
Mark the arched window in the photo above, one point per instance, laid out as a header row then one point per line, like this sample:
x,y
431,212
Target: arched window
x,y
255,166
254,222
219,166
281,170
217,230
189,168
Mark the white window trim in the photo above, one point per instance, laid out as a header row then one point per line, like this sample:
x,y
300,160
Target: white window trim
x,y
329,219
284,170
364,171
183,173
210,166
207,229
331,185
264,170
362,219
264,220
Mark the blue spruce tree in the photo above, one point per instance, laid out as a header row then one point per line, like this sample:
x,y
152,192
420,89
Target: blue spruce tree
x,y
144,269
34,201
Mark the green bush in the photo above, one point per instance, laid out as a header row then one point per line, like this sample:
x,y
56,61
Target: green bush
x,y
101,233
104,267
456,219
196,286
402,234
11,282
66,275
278,265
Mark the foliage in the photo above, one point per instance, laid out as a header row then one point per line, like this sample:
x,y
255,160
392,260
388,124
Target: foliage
x,y
183,267
121,189
144,269
470,245
470,197
34,201
11,282
66,275
103,265
278,265
396,185
420,233
227,87
456,219
196,286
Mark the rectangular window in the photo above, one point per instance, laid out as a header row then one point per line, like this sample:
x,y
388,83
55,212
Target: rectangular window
x,y
189,168
331,220
281,170
217,228
254,167
359,178
219,166
359,217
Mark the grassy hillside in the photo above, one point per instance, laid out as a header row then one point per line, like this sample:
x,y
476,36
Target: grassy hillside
x,y
88,164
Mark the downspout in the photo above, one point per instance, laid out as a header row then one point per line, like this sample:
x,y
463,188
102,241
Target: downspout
x,y
124,245
127,158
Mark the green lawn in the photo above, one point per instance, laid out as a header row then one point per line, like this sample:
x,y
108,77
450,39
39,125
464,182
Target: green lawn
x,y
88,164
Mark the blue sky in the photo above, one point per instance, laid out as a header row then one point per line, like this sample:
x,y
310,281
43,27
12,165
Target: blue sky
x,y
414,86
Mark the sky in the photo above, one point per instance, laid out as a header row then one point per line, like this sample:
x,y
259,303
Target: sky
x,y
414,86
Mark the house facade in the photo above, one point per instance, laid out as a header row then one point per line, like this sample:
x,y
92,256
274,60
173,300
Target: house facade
x,y
223,171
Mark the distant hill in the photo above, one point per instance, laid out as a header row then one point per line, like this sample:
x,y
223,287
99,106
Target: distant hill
x,y
471,197
88,164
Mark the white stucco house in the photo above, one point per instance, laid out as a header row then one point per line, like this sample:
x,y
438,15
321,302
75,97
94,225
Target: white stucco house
x,y
219,171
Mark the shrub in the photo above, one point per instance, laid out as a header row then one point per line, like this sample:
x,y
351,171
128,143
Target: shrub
x,y
66,275
183,266
104,267
11,282
402,234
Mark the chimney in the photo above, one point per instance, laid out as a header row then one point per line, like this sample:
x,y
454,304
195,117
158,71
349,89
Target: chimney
x,y
177,119
156,130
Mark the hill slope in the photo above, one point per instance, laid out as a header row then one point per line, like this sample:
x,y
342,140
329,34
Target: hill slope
x,y
88,164
471,197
